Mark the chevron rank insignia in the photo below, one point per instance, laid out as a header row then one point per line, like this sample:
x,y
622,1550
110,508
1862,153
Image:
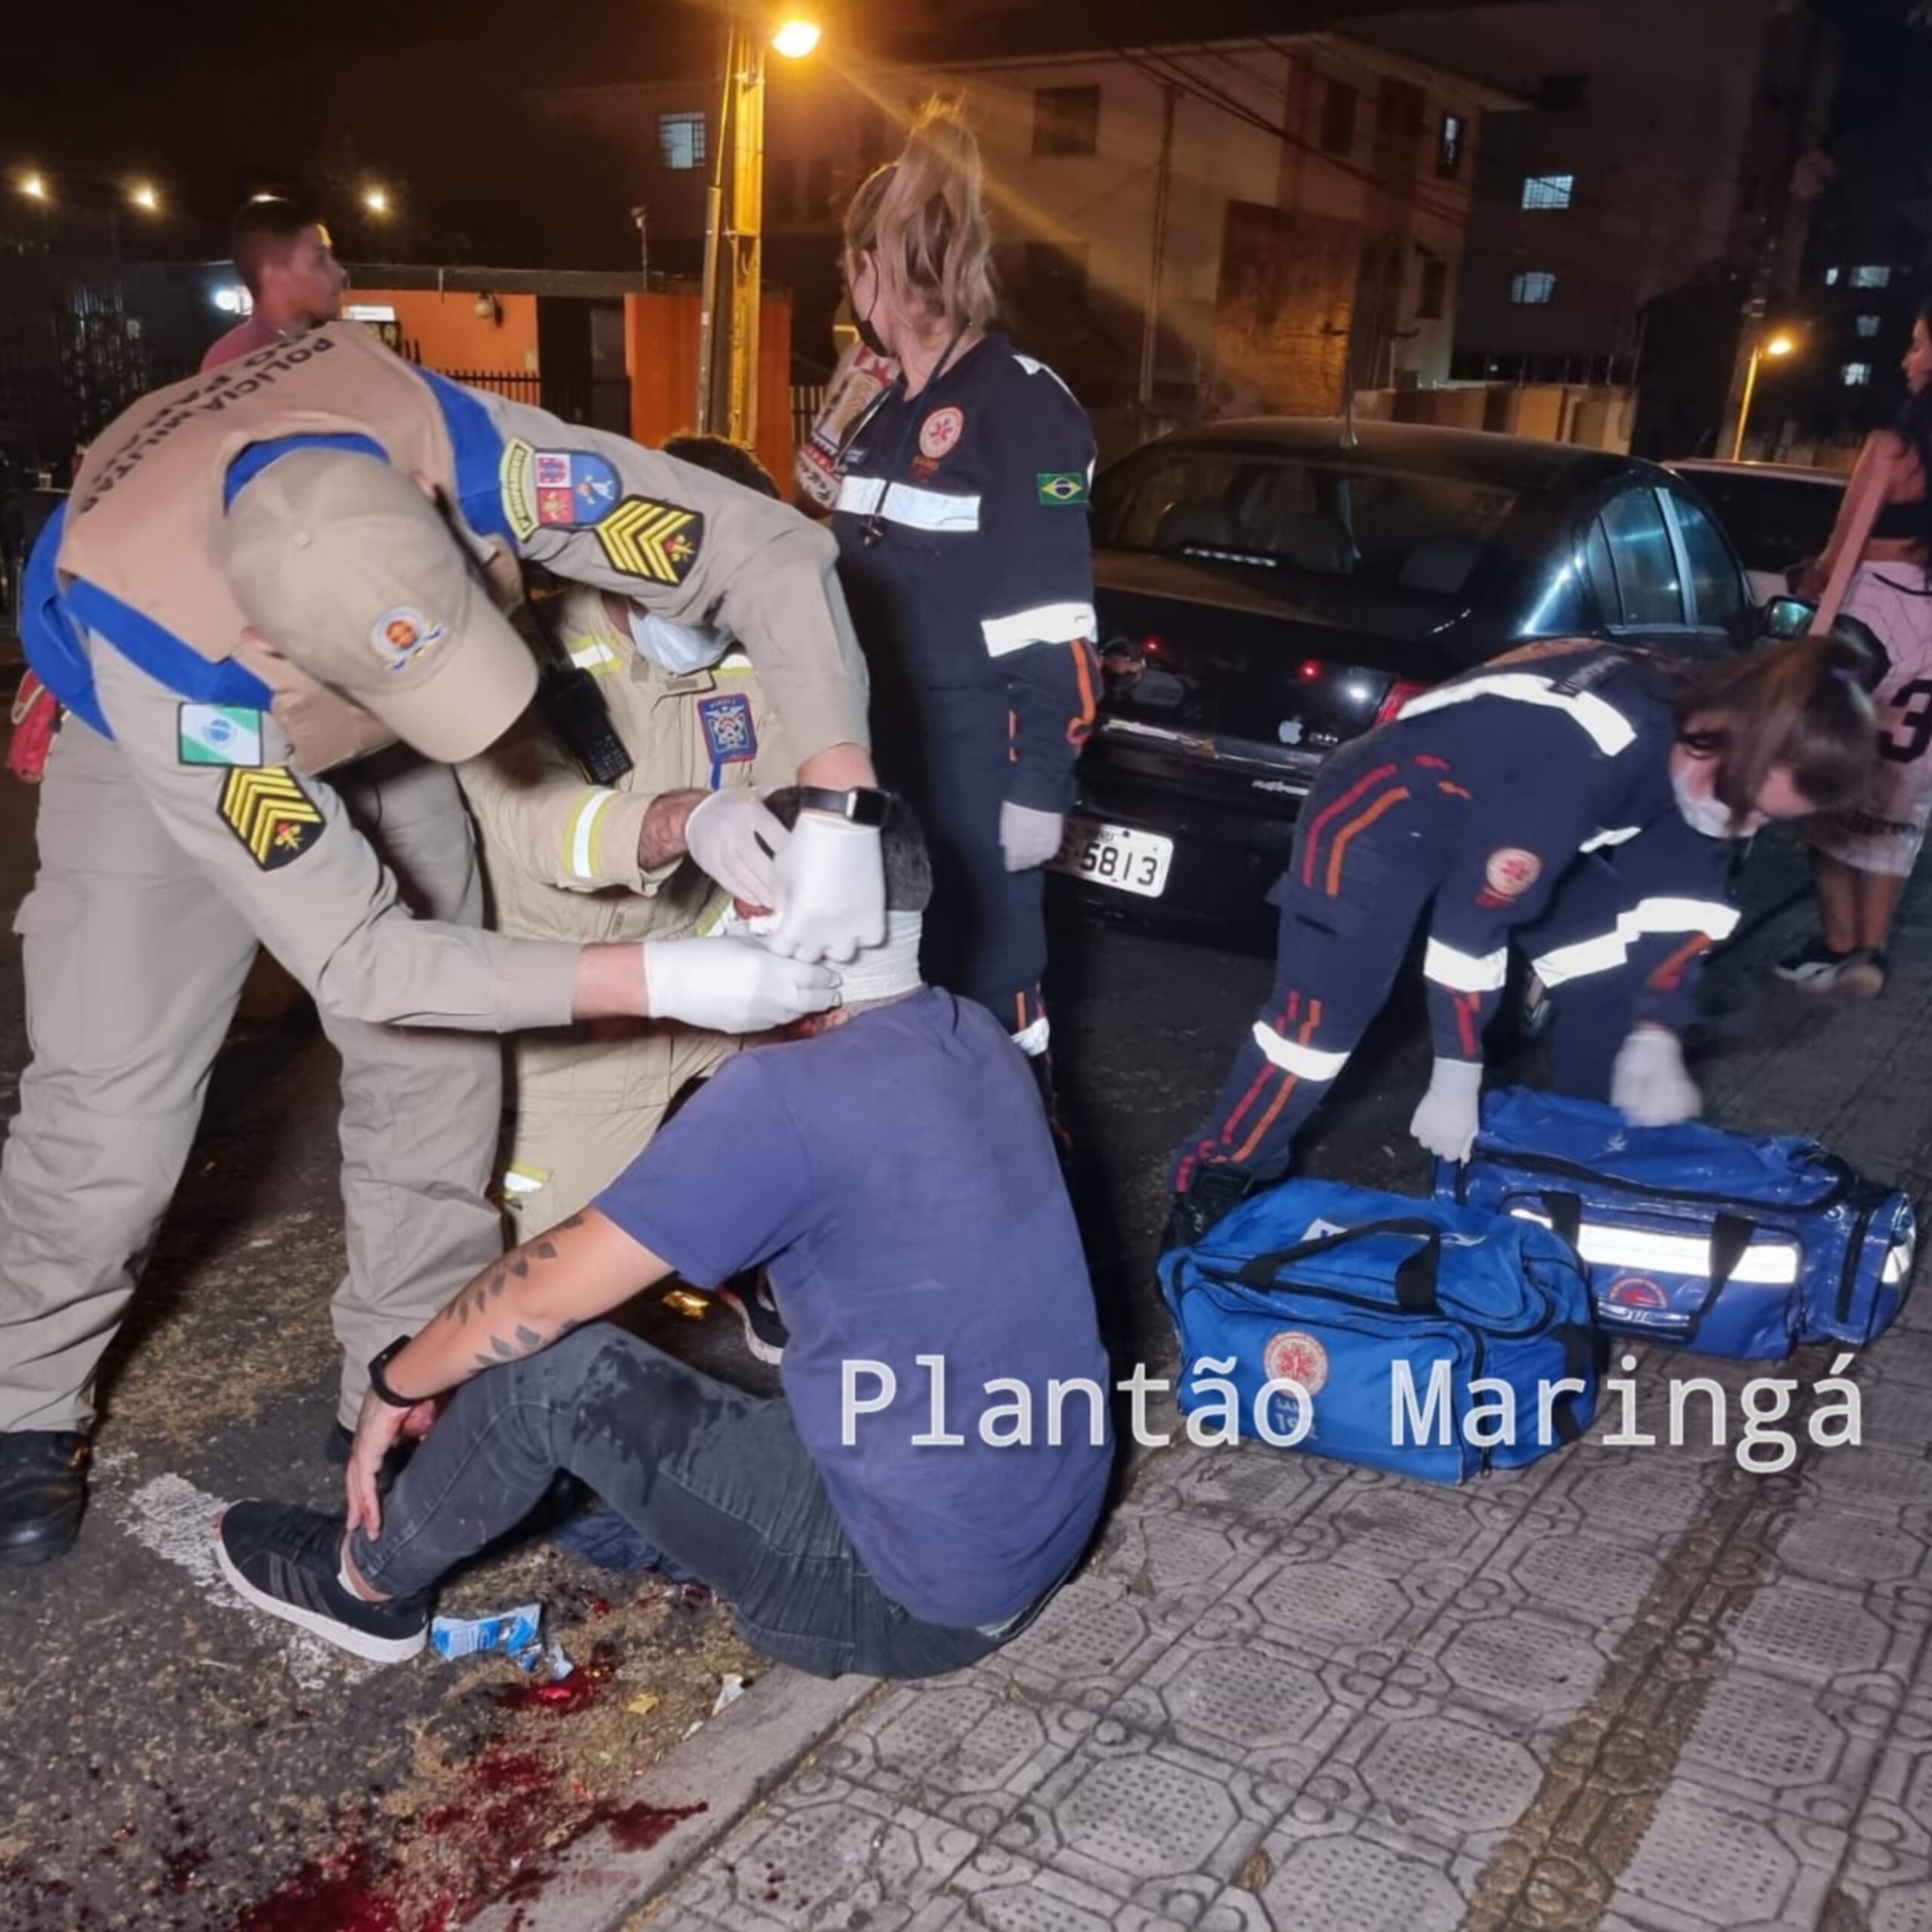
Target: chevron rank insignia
x,y
265,807
656,541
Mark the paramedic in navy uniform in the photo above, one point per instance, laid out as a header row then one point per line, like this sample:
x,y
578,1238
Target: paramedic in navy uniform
x,y
1579,799
963,551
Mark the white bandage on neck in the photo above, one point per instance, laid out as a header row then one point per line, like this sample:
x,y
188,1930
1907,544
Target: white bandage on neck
x,y
885,971
679,649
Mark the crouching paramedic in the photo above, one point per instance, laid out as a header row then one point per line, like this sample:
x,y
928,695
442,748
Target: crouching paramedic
x,y
895,1173
641,857
183,822
1492,796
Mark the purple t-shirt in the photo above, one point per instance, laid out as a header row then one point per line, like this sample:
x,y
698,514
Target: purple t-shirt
x,y
897,1176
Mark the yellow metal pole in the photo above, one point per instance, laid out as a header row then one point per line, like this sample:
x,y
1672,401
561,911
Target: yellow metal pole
x,y
747,248
1744,407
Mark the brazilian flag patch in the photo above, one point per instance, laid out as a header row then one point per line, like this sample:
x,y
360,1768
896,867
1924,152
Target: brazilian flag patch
x,y
265,807
658,542
1063,486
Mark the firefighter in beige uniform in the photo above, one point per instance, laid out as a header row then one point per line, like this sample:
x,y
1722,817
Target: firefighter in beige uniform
x,y
181,821
569,859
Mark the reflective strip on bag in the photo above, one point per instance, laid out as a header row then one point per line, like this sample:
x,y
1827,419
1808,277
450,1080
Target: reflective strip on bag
x,y
1771,1264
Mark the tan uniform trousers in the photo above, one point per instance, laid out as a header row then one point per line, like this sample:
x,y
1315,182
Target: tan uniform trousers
x,y
134,961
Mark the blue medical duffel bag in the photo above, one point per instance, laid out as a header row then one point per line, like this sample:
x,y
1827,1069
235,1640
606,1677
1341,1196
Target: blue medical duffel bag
x,y
1715,1242
1382,1311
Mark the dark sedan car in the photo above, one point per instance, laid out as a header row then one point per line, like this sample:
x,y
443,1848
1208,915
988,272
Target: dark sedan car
x,y
1269,589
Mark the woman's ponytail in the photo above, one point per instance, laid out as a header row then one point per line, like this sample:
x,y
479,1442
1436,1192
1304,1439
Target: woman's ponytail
x,y
923,219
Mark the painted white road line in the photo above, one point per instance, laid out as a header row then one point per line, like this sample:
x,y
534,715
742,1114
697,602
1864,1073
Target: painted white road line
x,y
176,1520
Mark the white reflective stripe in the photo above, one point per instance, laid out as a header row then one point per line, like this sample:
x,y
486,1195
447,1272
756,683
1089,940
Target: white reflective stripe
x,y
524,1180
1621,836
1898,1262
593,656
734,664
1034,368
1032,1041
1607,726
1464,972
1303,1062
1045,623
1769,1263
1607,950
900,502
580,841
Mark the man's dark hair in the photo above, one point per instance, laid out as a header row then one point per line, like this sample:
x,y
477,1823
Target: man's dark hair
x,y
724,458
264,228
909,867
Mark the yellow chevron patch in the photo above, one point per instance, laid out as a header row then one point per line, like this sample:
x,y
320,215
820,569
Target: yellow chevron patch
x,y
265,807
656,541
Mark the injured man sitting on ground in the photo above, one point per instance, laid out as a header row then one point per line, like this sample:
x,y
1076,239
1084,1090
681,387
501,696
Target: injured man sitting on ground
x,y
890,1164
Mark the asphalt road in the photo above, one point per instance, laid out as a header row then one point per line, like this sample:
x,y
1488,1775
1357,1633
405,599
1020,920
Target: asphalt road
x,y
174,1762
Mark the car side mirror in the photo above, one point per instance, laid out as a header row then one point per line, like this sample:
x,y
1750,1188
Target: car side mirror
x,y
1785,617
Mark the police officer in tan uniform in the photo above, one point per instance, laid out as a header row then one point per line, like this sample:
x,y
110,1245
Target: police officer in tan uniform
x,y
567,859
268,573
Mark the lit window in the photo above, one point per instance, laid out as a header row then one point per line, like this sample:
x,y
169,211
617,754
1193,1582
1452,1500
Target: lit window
x,y
1449,148
1868,325
1548,191
1872,276
1857,374
681,141
1532,290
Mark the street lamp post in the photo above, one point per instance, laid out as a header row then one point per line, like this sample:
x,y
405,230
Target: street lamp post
x,y
1776,347
744,121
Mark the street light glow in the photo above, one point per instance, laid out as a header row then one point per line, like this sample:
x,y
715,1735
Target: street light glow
x,y
796,38
376,201
34,186
1779,344
144,198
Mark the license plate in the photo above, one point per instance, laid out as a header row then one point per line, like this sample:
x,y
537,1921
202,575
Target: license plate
x,y
1116,856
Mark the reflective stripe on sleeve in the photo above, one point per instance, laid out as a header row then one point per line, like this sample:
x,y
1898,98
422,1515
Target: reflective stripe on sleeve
x,y
580,837
1621,836
1466,972
1610,730
594,656
1305,1062
1045,623
901,502
1607,950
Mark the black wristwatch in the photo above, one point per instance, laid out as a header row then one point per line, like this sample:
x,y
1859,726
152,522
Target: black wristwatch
x,y
379,1382
863,805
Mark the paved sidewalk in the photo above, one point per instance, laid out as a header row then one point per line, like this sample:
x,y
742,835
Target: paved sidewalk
x,y
1627,1688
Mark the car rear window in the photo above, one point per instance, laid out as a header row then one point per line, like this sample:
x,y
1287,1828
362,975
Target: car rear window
x,y
1772,521
1395,530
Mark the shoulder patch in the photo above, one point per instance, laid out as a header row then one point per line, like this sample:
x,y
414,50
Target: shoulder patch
x,y
218,734
659,541
1063,486
516,483
730,737
266,808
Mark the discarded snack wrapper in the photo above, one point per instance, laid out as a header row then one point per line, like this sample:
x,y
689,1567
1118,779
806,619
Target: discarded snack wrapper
x,y
560,1665
729,1691
683,1302
512,1632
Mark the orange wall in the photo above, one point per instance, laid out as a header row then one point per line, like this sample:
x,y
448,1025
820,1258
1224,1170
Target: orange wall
x,y
660,334
449,334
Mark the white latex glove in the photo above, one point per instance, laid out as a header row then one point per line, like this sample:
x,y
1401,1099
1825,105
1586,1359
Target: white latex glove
x,y
1445,1123
732,986
1648,1085
831,890
1028,837
734,837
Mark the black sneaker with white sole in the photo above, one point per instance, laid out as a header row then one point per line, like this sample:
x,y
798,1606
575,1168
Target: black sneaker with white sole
x,y
1814,967
757,1309
287,1561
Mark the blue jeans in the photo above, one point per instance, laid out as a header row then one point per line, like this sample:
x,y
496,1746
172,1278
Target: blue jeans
x,y
717,1479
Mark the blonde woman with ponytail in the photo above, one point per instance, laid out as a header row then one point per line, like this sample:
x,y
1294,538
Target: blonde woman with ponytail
x,y
961,522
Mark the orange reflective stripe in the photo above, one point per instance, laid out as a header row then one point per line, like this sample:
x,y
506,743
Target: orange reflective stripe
x,y
1361,822
1327,812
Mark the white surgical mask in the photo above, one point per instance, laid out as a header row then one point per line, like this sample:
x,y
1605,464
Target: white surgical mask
x,y
1702,812
679,649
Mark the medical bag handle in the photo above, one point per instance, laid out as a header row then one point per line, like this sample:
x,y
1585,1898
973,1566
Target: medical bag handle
x,y
1415,1278
1731,1235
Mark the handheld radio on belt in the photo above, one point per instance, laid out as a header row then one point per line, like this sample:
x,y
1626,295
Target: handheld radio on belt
x,y
574,707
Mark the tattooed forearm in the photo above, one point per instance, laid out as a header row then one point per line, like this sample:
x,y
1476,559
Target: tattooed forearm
x,y
526,1341
515,1265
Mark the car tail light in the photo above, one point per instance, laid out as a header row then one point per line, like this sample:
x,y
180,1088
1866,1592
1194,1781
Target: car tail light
x,y
1311,668
1399,694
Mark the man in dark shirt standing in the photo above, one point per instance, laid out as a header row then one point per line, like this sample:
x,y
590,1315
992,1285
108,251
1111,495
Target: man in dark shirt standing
x,y
894,1172
283,256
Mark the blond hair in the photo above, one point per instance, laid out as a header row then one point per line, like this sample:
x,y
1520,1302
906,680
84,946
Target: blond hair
x,y
922,219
